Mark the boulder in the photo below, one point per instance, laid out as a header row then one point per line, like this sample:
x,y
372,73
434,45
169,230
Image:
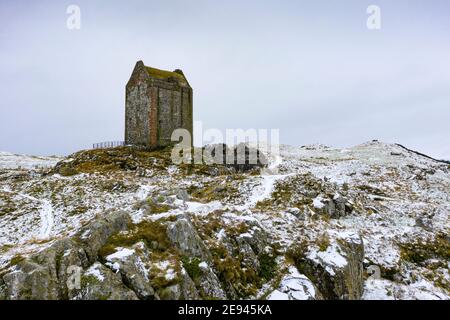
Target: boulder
x,y
96,233
182,194
338,271
100,283
209,284
335,207
133,271
295,286
184,236
31,281
241,157
3,294
44,275
184,290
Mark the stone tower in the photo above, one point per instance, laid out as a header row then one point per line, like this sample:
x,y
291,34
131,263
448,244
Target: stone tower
x,y
157,102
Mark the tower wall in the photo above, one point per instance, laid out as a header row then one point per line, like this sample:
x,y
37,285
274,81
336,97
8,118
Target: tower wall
x,y
137,118
155,107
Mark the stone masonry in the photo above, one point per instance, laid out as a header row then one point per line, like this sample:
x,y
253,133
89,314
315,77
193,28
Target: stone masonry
x,y
157,103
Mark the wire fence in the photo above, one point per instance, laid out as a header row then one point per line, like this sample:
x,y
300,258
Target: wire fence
x,y
108,144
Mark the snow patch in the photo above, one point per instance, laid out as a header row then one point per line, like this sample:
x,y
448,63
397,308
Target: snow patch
x,y
317,202
94,271
120,254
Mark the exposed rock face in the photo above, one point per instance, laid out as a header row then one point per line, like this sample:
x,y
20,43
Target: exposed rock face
x,y
31,281
132,270
97,233
3,293
210,285
338,271
184,290
45,274
184,236
212,232
295,286
335,207
126,274
241,157
100,283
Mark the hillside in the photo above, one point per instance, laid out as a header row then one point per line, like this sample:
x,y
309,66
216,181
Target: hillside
x,y
368,222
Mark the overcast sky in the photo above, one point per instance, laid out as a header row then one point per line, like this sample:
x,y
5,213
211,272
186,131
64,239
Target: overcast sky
x,y
310,68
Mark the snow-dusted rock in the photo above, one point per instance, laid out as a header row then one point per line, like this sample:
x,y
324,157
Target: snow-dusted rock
x,y
100,283
295,286
184,236
237,225
129,263
338,271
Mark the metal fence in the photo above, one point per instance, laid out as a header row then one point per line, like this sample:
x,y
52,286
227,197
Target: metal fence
x,y
108,144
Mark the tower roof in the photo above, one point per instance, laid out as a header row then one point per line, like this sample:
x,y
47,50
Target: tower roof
x,y
164,74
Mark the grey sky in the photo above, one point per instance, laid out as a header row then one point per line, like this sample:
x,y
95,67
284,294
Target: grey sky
x,y
310,68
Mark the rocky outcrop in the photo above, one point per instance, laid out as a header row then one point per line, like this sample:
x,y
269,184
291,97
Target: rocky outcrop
x,y
95,235
295,286
3,294
336,206
185,289
44,275
241,157
111,258
219,231
100,283
185,237
133,271
338,271
30,281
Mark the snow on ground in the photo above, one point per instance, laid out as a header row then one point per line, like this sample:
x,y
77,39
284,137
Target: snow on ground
x,y
399,196
14,161
120,254
46,214
294,286
262,191
94,271
330,258
386,290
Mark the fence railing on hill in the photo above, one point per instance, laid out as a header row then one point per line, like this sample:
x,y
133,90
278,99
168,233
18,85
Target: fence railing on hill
x,y
108,144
